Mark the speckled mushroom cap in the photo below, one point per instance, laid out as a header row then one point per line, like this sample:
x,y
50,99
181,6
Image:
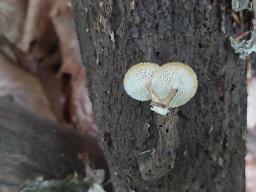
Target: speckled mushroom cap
x,y
137,79
176,76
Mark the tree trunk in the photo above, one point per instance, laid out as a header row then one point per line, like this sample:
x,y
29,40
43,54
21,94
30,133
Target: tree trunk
x,y
202,144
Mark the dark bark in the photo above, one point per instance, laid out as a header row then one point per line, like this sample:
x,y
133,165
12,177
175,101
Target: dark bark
x,y
31,146
205,137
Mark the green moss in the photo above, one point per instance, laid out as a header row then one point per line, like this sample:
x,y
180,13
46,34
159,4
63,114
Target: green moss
x,y
67,185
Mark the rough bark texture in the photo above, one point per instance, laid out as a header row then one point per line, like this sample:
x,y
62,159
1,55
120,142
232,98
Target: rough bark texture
x,y
31,146
199,146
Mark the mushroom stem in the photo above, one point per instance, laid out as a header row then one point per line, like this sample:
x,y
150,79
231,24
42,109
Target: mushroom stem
x,y
156,101
167,100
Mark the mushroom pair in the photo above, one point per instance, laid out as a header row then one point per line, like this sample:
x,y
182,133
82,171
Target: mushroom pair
x,y
168,86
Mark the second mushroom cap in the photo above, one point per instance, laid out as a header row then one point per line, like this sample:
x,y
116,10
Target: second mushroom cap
x,y
173,84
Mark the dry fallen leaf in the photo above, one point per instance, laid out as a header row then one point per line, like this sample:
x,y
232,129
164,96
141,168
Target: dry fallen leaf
x,y
42,69
78,105
24,87
60,71
12,16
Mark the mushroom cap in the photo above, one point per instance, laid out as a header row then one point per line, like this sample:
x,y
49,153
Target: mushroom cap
x,y
137,79
177,76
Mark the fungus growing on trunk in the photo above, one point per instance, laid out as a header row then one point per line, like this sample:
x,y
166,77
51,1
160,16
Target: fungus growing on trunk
x,y
168,86
137,79
172,85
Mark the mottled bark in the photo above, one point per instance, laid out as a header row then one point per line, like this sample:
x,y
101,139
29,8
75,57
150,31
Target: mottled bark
x,y
201,144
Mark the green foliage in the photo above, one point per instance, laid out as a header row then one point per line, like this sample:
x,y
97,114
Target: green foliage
x,y
67,185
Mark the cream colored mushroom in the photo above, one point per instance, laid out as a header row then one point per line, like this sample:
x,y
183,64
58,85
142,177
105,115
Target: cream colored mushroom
x,y
137,80
172,85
